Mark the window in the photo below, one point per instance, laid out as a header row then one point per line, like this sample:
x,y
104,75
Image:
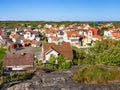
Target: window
x,y
73,35
8,68
28,33
74,40
51,55
59,43
90,33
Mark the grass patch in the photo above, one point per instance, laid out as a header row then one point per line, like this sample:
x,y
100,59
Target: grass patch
x,y
2,53
96,75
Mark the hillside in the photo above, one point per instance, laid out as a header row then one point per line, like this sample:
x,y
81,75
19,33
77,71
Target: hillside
x,y
58,80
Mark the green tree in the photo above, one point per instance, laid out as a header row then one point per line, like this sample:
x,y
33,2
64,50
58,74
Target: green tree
x,y
62,63
106,52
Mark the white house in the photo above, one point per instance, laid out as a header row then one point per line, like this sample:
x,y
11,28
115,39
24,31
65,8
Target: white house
x,y
108,33
29,34
47,26
72,37
50,49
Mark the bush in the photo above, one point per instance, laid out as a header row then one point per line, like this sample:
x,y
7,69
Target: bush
x,y
75,61
38,62
96,74
65,65
16,76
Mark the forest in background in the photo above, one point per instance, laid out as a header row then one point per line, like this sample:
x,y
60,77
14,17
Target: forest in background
x,y
15,24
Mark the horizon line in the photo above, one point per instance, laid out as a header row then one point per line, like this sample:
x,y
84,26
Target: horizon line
x,y
60,21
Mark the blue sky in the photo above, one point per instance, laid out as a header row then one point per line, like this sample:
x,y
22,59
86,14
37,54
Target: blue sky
x,y
60,10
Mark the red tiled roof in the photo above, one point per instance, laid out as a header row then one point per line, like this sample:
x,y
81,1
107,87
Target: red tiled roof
x,y
97,36
47,31
15,35
26,42
64,49
117,35
55,38
18,59
94,30
70,33
31,31
34,42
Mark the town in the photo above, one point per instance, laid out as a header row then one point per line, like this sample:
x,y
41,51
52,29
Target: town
x,y
51,46
47,40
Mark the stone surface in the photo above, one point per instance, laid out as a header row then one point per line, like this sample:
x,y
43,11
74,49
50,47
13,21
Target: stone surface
x,y
59,80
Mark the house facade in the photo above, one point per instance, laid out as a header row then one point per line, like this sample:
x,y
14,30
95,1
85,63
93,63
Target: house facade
x,y
15,37
91,32
51,52
73,37
29,34
3,34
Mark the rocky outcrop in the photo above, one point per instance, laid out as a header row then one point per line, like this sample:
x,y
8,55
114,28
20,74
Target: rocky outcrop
x,y
59,80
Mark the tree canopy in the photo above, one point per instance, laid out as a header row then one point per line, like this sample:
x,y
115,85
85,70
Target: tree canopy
x,y
103,52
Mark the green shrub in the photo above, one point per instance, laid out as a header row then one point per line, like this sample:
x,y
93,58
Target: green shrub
x,y
96,74
65,65
15,76
40,62
75,62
